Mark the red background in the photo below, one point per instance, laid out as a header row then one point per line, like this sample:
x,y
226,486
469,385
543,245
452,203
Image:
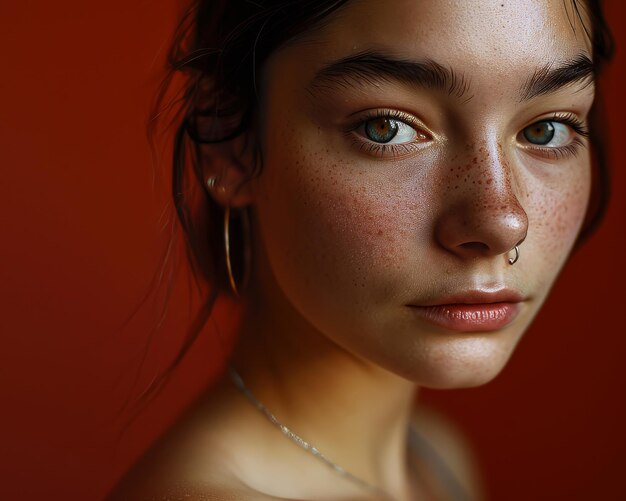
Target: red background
x,y
83,231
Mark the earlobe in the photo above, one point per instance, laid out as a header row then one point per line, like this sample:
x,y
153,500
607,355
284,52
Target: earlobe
x,y
228,169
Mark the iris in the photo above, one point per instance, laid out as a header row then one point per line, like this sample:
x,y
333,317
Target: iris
x,y
539,133
381,130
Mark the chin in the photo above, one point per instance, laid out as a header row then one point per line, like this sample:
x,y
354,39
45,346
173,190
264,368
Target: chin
x,y
459,363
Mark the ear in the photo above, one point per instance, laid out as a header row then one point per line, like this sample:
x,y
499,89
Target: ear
x,y
231,165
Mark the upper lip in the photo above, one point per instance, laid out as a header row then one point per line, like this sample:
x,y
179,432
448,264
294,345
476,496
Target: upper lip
x,y
475,297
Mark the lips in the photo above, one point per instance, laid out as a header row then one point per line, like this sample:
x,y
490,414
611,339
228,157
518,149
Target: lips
x,y
473,311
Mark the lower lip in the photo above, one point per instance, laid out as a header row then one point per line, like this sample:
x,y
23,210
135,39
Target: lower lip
x,y
470,317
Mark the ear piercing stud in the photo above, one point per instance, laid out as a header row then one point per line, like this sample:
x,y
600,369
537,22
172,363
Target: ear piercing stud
x,y
211,183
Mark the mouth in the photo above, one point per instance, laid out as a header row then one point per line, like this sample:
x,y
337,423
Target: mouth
x,y
473,311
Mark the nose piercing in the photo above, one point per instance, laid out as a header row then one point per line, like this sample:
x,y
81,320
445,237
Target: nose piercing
x,y
513,260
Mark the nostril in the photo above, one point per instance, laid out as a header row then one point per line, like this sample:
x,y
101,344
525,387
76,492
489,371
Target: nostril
x,y
478,247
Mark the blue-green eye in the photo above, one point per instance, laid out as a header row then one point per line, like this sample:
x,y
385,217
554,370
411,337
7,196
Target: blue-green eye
x,y
381,130
560,135
384,130
540,133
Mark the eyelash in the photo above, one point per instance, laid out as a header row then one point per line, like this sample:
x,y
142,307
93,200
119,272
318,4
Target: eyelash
x,y
382,149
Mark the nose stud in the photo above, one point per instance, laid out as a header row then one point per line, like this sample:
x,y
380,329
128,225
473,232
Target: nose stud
x,y
513,260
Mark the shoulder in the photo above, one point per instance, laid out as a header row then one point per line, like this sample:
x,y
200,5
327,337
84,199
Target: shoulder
x,y
146,485
191,462
447,447
188,492
171,473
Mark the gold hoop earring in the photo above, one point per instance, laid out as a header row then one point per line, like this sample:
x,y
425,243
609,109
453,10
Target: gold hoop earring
x,y
229,267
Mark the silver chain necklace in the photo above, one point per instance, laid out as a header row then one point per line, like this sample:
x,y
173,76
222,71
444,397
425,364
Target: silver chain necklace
x,y
238,382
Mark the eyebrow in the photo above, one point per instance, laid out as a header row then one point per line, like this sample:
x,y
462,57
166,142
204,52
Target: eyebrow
x,y
550,78
374,67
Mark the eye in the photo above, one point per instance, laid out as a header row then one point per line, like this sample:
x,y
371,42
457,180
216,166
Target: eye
x,y
387,133
548,133
385,130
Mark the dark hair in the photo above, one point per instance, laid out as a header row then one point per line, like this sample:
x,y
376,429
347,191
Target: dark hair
x,y
218,49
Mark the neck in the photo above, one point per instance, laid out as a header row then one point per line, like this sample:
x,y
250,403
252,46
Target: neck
x,y
355,413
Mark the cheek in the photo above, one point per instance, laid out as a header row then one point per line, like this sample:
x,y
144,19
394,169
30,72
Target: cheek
x,y
558,212
336,227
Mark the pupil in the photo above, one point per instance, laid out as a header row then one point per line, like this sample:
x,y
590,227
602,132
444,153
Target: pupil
x,y
381,130
539,133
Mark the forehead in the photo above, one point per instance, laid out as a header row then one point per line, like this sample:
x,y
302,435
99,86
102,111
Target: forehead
x,y
483,39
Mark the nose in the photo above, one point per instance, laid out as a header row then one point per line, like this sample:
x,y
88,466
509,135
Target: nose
x,y
481,215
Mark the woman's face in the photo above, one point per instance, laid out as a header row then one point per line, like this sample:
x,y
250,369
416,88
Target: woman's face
x,y
393,193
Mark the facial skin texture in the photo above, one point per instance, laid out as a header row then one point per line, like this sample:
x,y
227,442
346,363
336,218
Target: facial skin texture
x,y
353,237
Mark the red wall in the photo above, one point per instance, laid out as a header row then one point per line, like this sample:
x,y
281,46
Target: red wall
x,y
83,231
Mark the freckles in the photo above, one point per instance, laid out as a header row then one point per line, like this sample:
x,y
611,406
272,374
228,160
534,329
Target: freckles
x,y
360,222
557,209
560,216
374,224
473,172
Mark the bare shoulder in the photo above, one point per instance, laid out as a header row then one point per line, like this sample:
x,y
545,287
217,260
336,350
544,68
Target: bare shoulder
x,y
152,481
189,468
185,491
450,445
189,463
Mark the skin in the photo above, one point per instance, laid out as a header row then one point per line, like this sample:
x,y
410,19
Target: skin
x,y
346,238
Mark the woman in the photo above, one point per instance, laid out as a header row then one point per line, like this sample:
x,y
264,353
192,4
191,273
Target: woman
x,y
415,177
